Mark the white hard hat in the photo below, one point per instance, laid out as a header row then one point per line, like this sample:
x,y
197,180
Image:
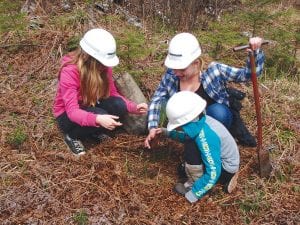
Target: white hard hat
x,y
183,107
184,48
101,45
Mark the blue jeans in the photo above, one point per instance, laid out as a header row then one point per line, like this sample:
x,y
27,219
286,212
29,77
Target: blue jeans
x,y
112,105
221,113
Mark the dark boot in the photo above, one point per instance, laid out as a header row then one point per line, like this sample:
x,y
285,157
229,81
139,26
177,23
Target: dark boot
x,y
239,131
182,177
236,94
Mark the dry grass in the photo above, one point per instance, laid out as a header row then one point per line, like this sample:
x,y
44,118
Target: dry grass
x,y
120,182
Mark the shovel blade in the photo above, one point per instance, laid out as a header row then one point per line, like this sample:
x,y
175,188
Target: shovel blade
x,y
265,166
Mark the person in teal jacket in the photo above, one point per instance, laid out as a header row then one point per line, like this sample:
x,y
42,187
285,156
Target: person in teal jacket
x,y
219,156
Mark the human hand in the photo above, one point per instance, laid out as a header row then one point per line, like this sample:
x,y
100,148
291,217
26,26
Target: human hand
x,y
142,108
255,43
108,121
191,197
152,133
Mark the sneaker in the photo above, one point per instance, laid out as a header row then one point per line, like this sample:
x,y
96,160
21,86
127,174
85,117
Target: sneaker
x,y
231,185
75,145
99,138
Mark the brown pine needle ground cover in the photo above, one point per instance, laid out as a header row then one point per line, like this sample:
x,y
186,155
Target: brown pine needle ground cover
x,y
121,182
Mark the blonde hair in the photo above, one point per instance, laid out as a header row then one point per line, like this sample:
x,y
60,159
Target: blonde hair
x,y
94,84
202,63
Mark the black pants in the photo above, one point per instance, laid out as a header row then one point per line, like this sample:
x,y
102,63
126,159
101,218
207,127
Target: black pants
x,y
192,156
112,105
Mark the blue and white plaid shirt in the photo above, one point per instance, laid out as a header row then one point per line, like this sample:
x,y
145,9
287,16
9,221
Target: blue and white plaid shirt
x,y
214,81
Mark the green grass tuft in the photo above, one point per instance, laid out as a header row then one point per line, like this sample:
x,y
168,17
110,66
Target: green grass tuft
x,y
81,218
17,137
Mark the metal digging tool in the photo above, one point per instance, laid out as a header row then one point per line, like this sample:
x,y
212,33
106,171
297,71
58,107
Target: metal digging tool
x,y
265,167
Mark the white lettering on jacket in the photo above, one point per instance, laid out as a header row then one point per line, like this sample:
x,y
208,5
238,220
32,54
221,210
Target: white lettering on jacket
x,y
210,160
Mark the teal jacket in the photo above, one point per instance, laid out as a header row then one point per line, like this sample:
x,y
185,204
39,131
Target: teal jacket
x,y
209,145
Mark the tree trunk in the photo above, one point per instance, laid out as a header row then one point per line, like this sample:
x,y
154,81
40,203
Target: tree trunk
x,y
126,85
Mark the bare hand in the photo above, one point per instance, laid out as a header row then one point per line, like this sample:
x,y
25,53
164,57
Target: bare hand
x,y
142,108
152,133
108,121
255,43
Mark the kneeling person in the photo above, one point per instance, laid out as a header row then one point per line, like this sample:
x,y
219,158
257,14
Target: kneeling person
x,y
212,154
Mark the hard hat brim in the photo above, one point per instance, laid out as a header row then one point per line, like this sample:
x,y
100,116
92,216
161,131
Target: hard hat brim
x,y
174,64
187,119
109,62
172,126
179,64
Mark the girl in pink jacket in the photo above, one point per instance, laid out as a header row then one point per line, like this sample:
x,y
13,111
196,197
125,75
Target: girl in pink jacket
x,y
87,102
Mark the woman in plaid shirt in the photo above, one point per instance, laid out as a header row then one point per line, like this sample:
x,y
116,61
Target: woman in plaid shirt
x,y
185,73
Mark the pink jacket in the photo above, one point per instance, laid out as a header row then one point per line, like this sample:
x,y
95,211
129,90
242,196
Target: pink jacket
x,y
68,96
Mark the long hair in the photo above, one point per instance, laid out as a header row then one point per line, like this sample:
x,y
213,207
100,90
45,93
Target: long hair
x,y
94,84
201,64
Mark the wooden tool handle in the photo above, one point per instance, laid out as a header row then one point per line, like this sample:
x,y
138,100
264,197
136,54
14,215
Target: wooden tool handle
x,y
238,48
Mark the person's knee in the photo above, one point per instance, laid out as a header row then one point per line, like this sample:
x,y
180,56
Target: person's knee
x,y
96,110
221,113
113,105
118,105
